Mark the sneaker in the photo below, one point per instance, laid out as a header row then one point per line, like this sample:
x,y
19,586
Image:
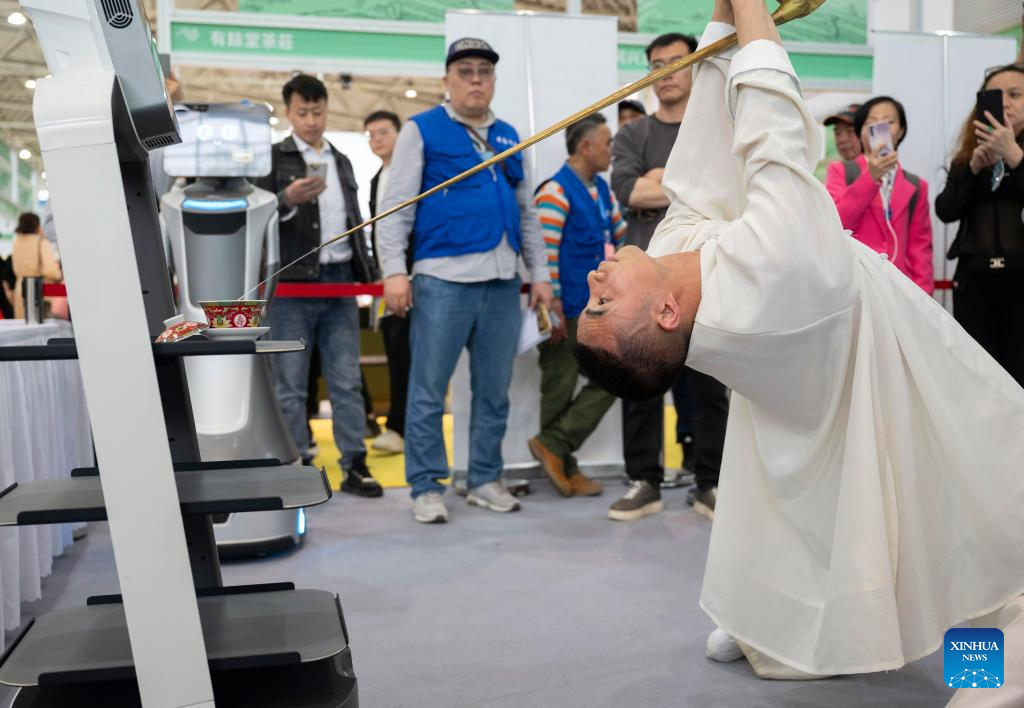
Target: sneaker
x,y
552,465
389,442
584,486
429,508
493,496
703,501
677,478
722,647
643,498
359,481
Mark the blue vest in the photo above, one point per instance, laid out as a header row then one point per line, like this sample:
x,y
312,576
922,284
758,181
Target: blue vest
x,y
471,216
588,226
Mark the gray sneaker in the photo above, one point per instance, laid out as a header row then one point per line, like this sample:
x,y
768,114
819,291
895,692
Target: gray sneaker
x,y
677,478
429,508
493,496
643,498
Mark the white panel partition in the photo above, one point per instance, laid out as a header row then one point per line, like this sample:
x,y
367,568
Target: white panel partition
x,y
936,77
550,67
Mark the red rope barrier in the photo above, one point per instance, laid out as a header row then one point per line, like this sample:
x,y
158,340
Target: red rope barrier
x,y
328,289
310,290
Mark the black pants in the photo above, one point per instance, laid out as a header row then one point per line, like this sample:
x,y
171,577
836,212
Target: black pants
x,y
396,346
643,432
987,303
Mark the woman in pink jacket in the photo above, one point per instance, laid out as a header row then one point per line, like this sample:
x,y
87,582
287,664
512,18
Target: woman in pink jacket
x,y
884,206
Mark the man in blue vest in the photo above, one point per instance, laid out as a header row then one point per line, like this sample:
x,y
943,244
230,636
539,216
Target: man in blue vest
x,y
464,287
582,225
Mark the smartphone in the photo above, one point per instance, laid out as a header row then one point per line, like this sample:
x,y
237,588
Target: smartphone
x,y
317,169
991,101
880,138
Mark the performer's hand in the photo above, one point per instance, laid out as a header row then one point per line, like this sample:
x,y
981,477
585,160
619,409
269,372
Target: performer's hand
x,y
541,292
304,190
880,166
558,332
981,159
999,139
398,294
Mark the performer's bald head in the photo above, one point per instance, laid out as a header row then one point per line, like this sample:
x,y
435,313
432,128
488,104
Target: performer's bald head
x,y
634,334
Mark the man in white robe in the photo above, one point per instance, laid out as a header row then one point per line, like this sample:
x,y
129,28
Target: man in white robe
x,y
872,488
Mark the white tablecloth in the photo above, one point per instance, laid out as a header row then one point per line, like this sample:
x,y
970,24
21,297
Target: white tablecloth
x,y
44,434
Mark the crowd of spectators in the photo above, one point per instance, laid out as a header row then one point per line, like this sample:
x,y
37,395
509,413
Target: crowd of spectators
x,y
451,268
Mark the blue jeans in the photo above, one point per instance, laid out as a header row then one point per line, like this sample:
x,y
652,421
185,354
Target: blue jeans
x,y
483,318
333,324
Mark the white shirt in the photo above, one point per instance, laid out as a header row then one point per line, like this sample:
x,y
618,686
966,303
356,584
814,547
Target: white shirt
x,y
331,203
382,183
871,484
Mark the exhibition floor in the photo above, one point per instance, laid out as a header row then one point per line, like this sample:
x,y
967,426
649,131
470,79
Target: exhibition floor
x,y
554,606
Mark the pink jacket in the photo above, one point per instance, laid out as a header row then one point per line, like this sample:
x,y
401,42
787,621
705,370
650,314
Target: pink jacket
x,y
860,209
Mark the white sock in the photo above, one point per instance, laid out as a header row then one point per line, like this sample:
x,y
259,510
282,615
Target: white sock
x,y
722,647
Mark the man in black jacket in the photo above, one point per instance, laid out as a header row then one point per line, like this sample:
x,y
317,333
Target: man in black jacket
x,y
639,154
316,192
382,129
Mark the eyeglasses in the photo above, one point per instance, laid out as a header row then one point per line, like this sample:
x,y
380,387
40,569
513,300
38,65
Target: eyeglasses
x,y
466,73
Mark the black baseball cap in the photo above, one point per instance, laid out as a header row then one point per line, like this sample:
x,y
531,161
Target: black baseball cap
x,y
845,116
470,47
633,106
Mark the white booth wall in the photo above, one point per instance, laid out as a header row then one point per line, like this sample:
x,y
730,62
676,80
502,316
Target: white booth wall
x,y
936,77
550,67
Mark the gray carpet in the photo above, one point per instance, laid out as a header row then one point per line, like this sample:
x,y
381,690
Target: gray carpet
x,y
553,606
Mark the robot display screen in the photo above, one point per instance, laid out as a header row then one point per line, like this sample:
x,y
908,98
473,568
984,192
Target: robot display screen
x,y
220,140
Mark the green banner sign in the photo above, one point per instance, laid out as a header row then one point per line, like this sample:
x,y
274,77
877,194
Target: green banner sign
x,y
320,44
836,22
413,10
398,48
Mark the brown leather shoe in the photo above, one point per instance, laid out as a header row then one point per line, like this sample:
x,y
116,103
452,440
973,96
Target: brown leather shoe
x,y
584,486
552,466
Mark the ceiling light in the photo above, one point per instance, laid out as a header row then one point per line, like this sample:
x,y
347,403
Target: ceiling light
x,y
411,93
274,120
30,83
43,195
24,153
17,19
43,174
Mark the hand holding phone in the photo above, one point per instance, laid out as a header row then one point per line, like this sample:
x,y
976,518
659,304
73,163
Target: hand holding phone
x,y
990,101
994,136
304,190
882,156
880,139
317,169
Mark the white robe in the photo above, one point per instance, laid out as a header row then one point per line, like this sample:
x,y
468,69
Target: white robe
x,y
872,483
